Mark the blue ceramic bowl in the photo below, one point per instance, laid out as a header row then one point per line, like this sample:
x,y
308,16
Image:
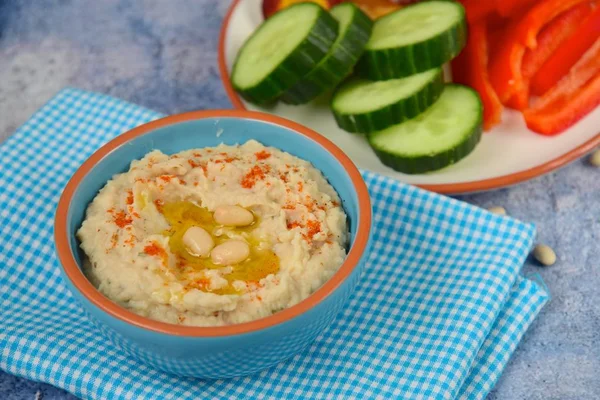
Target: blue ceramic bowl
x,y
215,352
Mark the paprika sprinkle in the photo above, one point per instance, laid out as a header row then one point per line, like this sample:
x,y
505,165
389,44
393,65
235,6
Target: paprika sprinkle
x,y
256,173
122,219
262,155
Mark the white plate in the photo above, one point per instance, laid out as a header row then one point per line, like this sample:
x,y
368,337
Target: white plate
x,y
508,154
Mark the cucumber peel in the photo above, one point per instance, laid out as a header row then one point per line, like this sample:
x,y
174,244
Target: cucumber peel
x,y
365,106
414,39
281,50
354,32
447,132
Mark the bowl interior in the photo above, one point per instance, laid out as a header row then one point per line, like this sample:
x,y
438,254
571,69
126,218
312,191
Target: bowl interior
x,y
209,132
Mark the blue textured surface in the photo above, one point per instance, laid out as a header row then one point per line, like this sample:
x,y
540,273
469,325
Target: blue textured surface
x,y
163,55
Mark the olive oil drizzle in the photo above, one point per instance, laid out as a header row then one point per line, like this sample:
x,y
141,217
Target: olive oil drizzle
x,y
183,215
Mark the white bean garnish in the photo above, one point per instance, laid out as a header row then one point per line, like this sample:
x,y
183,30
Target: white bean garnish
x,y
595,158
230,252
233,216
544,254
198,242
497,210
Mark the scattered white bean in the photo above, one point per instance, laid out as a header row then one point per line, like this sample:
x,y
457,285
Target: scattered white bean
x,y
233,216
198,242
230,252
595,158
497,210
544,254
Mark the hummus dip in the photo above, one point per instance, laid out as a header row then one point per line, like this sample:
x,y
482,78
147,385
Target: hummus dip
x,y
214,236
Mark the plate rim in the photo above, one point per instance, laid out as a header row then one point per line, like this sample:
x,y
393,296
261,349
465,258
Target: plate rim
x,y
446,188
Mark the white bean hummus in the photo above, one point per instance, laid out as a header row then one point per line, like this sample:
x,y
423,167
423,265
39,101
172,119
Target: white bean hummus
x,y
214,236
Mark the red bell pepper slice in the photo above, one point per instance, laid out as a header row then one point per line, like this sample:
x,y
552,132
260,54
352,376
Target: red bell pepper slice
x,y
552,36
548,39
508,8
571,99
564,111
567,54
506,68
538,16
470,68
478,10
581,73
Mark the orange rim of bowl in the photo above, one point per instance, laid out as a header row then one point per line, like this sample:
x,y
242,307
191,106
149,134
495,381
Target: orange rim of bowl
x,y
447,188
79,280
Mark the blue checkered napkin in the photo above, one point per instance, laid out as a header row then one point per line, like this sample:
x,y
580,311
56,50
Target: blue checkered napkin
x,y
438,312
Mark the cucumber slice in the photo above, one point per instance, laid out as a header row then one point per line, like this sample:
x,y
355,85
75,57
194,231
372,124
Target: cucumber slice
x,y
282,50
366,106
414,39
448,131
353,34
